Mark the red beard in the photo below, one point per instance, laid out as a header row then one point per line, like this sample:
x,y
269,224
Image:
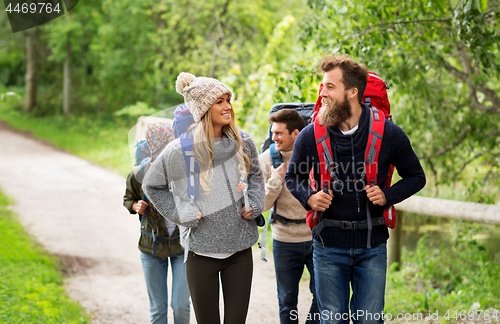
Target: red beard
x,y
335,113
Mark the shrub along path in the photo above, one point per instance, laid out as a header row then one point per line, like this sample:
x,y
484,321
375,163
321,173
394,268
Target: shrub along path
x,y
74,209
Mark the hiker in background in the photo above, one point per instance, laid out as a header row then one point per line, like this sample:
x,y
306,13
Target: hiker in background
x,y
343,255
292,240
216,217
161,247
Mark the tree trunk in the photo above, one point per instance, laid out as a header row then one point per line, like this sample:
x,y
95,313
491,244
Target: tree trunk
x,y
67,68
67,81
31,77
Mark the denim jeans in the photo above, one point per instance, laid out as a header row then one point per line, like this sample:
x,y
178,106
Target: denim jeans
x,y
289,262
155,272
364,269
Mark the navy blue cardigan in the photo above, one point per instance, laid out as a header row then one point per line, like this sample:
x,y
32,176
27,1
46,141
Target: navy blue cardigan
x,y
395,149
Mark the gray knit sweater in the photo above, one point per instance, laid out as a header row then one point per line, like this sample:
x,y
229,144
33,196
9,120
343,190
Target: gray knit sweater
x,y
222,229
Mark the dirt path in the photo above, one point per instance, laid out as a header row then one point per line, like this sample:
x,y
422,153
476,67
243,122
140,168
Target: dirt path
x,y
74,209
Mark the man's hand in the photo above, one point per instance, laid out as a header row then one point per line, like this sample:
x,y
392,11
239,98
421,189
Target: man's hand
x,y
246,214
281,170
139,207
376,195
320,201
198,216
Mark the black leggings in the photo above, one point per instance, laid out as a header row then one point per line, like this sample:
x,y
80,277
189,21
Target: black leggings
x,y
203,281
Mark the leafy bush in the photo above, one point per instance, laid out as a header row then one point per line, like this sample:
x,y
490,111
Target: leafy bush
x,y
138,109
454,274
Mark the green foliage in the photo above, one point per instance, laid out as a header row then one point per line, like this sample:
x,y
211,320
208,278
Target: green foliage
x,y
440,59
31,289
138,109
12,65
255,93
138,48
122,52
10,97
457,273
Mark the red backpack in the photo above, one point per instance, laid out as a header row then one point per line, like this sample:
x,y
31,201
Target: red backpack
x,y
375,97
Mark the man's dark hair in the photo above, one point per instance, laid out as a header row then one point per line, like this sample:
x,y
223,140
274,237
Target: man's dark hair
x,y
291,118
354,74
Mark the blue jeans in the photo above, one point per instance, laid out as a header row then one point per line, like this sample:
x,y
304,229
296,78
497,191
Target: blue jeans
x,y
155,272
364,269
289,262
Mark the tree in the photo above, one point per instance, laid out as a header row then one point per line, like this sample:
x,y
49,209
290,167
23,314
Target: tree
x,y
143,45
31,69
12,54
67,75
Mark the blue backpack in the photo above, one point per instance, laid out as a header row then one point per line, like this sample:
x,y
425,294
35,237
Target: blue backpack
x,y
182,120
193,171
141,152
142,155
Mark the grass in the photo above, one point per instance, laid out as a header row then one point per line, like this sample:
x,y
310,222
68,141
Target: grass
x,y
31,289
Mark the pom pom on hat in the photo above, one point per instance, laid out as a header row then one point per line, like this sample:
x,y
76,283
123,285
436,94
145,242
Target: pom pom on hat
x,y
200,93
183,80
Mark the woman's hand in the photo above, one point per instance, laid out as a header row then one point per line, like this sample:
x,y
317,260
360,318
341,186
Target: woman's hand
x,y
246,214
198,216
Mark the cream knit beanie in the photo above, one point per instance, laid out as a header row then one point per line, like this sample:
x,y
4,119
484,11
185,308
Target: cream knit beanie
x,y
200,93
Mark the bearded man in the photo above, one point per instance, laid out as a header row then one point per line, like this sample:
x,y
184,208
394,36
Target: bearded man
x,y
342,257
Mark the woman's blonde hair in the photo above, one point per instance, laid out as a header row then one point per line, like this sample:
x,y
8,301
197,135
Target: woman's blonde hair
x,y
203,141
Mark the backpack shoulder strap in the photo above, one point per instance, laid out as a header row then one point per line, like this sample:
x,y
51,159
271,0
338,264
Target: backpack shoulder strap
x,y
377,124
277,160
375,136
144,164
324,152
276,157
192,167
326,164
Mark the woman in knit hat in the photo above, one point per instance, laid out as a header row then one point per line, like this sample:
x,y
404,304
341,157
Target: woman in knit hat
x,y
159,240
217,224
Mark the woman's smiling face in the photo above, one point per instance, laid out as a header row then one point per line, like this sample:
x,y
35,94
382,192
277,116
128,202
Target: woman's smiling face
x,y
220,111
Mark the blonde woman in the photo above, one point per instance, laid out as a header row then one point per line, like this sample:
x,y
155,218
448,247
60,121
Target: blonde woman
x,y
218,226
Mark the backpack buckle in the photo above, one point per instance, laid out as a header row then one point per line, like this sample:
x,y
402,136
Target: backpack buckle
x,y
347,225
